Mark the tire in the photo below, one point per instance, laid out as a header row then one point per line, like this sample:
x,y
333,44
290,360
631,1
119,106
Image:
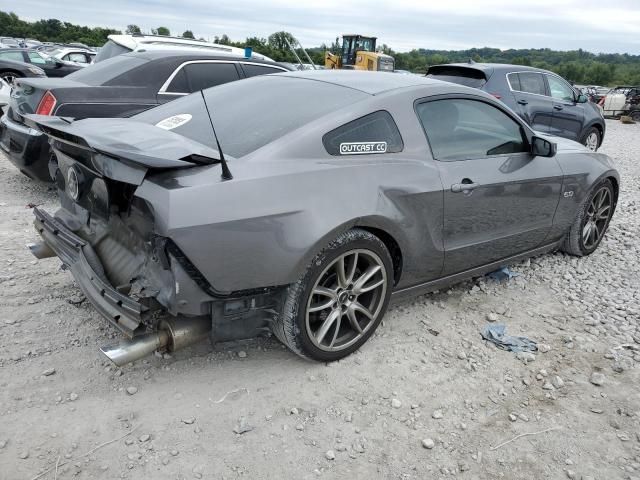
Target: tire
x,y
635,115
592,139
575,242
358,252
9,75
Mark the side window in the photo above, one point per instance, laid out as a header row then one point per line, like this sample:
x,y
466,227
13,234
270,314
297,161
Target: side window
x,y
36,59
76,57
559,89
531,82
514,81
12,56
205,75
373,133
179,83
254,70
461,129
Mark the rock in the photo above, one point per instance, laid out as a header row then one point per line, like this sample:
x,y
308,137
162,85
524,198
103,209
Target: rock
x,y
548,386
428,443
3,443
300,427
188,420
544,348
525,357
597,410
462,355
512,417
48,372
437,414
145,438
132,390
73,397
174,453
242,354
597,379
557,382
23,455
492,317
330,455
242,426
571,474
294,411
395,403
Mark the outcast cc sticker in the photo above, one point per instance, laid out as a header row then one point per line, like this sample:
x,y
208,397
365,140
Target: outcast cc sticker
x,y
174,122
361,148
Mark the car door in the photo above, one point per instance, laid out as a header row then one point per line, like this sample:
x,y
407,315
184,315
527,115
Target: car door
x,y
499,199
568,115
533,104
198,75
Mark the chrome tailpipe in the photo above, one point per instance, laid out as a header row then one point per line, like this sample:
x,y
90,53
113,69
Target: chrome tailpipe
x,y
41,250
172,334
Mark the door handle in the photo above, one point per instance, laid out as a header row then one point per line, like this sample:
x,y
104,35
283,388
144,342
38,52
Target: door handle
x,y
558,107
523,102
464,187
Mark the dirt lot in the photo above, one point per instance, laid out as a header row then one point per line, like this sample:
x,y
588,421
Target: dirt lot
x,y
425,398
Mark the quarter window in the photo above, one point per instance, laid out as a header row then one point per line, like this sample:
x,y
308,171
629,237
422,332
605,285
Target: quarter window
x,y
12,56
461,129
254,70
528,82
560,90
373,133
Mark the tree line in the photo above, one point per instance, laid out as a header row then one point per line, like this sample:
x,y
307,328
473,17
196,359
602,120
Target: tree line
x,y
579,66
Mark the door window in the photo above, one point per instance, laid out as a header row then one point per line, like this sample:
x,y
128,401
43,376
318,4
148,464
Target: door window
x,y
205,75
76,57
36,58
12,56
528,82
462,129
560,90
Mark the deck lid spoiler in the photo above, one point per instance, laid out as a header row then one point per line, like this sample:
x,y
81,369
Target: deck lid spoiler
x,y
128,139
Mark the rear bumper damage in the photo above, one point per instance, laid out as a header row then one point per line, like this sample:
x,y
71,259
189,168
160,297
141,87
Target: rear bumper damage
x,y
27,148
122,311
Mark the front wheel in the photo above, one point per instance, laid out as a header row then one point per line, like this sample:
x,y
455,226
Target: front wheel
x,y
9,76
592,139
592,221
340,300
635,115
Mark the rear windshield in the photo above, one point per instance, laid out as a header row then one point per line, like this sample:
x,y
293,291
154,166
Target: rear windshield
x,y
469,77
109,50
248,114
103,72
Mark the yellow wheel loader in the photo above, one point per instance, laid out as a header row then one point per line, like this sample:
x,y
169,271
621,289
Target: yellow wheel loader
x,y
359,53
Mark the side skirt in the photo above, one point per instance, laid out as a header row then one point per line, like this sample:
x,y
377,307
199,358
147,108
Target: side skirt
x,y
449,280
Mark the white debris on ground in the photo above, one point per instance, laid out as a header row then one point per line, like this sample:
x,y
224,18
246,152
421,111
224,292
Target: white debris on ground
x,y
425,398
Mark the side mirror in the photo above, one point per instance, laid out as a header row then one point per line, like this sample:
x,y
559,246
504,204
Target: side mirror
x,y
543,148
582,98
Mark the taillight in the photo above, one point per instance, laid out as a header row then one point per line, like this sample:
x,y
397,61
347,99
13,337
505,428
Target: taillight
x,y
47,104
497,95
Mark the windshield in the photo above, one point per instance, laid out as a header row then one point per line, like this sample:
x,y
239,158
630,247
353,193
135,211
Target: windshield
x,y
103,72
109,50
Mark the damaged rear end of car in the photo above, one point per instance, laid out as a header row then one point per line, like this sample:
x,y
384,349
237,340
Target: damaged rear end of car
x,y
107,236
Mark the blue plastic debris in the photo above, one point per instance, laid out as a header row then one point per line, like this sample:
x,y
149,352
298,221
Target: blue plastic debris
x,y
504,273
495,333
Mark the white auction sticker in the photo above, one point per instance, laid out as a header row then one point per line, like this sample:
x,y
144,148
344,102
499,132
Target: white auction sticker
x,y
361,148
174,122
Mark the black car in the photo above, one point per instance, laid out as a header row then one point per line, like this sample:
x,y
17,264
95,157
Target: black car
x,y
543,99
52,66
118,87
11,69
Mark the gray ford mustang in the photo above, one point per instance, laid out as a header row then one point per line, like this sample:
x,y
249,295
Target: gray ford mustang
x,y
303,202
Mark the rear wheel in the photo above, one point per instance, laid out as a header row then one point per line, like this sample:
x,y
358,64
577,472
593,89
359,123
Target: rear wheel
x,y
592,222
340,300
9,76
592,139
635,115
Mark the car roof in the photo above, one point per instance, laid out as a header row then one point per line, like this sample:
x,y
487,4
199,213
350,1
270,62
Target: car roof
x,y
372,83
493,67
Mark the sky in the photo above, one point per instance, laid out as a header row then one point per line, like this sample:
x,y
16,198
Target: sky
x,y
593,25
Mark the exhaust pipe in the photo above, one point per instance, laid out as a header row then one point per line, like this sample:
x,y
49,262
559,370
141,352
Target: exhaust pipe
x,y
172,334
41,250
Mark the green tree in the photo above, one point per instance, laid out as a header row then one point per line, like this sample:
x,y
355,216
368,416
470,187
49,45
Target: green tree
x,y
188,34
161,31
133,29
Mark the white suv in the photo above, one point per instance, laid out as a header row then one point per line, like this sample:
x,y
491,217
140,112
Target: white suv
x,y
118,44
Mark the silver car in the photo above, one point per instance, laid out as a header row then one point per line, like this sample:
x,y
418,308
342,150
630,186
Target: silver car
x,y
304,202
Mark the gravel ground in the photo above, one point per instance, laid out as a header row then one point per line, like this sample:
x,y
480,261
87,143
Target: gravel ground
x,y
425,398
